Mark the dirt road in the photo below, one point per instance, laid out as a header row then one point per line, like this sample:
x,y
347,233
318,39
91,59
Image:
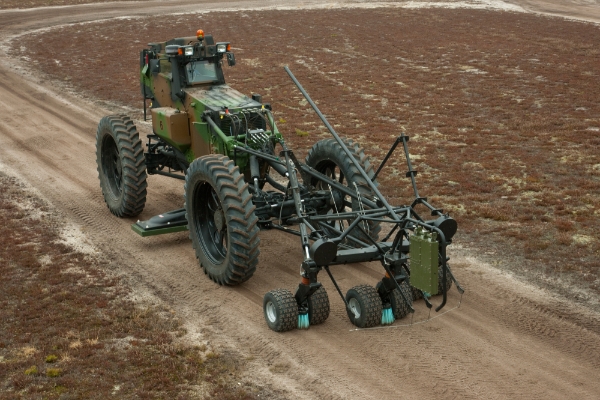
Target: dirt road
x,y
507,339
587,10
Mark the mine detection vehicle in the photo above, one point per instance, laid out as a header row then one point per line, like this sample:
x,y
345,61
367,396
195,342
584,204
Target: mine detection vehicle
x,y
240,177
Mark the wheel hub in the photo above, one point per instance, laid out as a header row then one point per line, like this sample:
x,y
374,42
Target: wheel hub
x,y
355,307
219,218
271,312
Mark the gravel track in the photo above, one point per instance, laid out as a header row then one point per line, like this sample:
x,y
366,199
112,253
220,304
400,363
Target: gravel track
x,y
507,339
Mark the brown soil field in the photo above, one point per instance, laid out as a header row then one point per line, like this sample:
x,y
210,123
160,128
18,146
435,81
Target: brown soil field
x,y
70,328
501,108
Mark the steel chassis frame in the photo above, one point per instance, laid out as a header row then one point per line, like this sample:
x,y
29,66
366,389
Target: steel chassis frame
x,y
324,250
327,246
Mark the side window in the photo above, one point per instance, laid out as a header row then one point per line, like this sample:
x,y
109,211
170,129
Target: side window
x,y
201,72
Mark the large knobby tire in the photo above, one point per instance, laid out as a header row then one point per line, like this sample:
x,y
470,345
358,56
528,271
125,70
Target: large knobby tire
x,y
318,307
400,307
220,214
121,165
280,310
416,293
365,306
328,157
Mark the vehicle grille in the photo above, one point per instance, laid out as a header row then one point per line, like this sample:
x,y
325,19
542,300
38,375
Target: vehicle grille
x,y
232,126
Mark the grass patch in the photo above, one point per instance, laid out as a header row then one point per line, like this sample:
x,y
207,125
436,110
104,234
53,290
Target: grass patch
x,y
51,358
301,133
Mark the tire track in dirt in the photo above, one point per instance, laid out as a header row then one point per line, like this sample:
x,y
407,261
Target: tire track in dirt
x,y
37,153
375,338
541,322
55,113
531,314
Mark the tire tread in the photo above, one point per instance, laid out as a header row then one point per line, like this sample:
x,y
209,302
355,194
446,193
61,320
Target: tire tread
x,y
325,150
129,145
242,257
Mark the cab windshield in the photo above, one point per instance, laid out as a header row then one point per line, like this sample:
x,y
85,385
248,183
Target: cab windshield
x,y
201,72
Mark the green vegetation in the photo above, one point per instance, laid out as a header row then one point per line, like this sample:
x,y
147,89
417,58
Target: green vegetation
x,y
53,372
301,133
51,358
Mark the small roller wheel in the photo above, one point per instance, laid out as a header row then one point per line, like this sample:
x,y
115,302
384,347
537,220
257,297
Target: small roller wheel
x,y
281,310
365,306
401,308
416,293
448,281
318,307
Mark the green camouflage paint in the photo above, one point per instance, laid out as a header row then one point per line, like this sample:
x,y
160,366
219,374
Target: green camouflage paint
x,y
424,261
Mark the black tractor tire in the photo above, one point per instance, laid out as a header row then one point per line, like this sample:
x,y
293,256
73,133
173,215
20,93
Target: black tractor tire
x,y
399,307
121,165
327,157
221,220
365,306
318,307
280,310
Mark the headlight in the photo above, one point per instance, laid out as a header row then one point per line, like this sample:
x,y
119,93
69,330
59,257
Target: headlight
x,y
189,51
172,50
223,47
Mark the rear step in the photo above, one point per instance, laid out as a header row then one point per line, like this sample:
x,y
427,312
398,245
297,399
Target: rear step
x,y
169,222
